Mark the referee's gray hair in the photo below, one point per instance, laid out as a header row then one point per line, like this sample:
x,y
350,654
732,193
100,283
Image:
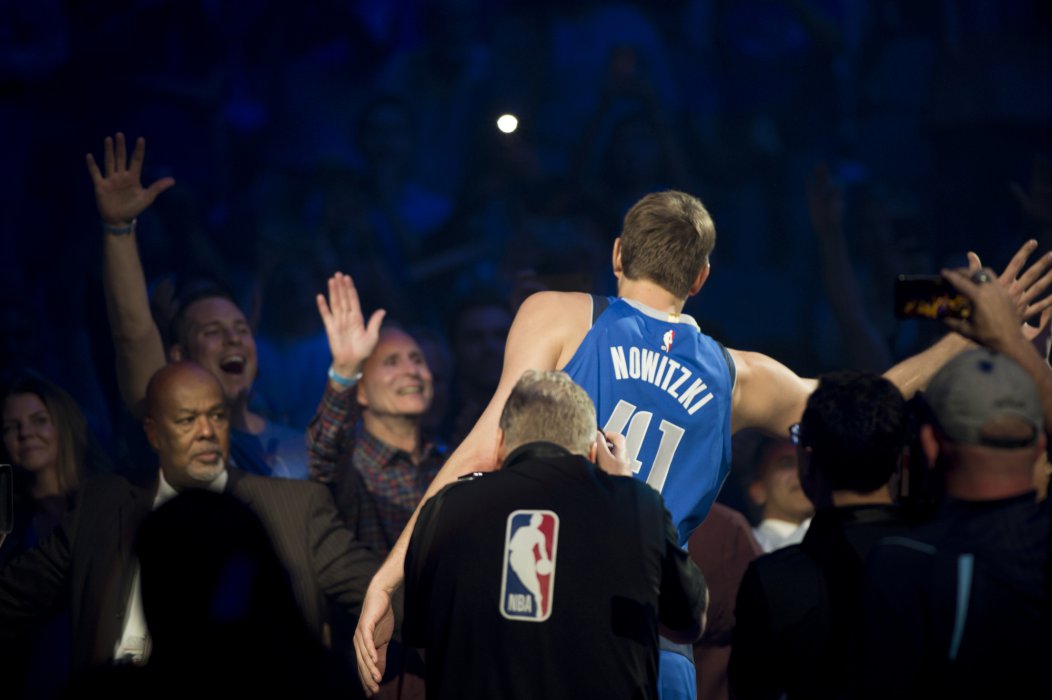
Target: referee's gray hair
x,y
549,407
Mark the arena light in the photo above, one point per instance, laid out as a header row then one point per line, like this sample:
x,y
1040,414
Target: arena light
x,y
507,123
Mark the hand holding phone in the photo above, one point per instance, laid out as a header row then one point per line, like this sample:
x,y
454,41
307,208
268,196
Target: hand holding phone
x,y
996,321
929,296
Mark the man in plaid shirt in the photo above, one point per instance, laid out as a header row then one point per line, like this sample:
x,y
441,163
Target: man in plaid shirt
x,y
366,438
366,441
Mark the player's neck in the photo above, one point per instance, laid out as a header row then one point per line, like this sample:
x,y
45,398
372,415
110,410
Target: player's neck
x,y
650,294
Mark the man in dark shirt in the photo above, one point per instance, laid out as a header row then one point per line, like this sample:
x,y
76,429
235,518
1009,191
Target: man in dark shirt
x,y
799,608
959,608
548,578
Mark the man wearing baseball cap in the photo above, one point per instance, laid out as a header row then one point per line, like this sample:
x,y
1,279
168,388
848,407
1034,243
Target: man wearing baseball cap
x,y
959,608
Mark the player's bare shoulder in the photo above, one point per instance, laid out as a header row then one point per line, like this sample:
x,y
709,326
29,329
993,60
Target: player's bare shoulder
x,y
767,394
561,318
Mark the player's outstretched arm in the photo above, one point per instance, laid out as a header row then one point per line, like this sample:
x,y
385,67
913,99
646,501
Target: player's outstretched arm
x,y
771,397
767,395
546,330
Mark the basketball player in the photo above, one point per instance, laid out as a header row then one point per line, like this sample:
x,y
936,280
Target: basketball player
x,y
674,393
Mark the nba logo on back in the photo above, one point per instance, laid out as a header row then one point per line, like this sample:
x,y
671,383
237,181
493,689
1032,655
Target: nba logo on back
x,y
528,578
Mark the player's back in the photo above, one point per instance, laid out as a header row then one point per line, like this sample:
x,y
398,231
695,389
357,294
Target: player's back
x,y
667,387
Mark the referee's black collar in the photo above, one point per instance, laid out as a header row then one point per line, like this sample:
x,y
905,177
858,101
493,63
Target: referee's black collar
x,y
534,450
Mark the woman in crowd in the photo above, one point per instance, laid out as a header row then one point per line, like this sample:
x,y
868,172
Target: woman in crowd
x,y
46,440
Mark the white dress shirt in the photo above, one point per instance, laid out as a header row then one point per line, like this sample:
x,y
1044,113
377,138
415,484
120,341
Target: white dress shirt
x,y
134,643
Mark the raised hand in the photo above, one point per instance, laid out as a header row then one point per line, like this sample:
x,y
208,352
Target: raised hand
x,y
1025,288
119,193
995,320
351,340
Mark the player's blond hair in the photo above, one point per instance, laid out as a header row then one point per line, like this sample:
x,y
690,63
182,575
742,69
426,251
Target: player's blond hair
x,y
667,238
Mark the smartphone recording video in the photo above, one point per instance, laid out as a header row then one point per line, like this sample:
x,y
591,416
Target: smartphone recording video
x,y
929,296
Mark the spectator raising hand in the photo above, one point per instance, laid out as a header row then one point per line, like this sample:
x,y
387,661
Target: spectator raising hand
x,y
351,339
119,193
996,323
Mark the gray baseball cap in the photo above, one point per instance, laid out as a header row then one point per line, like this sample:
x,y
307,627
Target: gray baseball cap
x,y
978,387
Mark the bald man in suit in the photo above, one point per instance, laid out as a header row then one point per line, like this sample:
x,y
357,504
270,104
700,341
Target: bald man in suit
x,y
87,565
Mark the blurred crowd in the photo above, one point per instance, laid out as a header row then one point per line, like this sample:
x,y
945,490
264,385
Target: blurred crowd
x,y
362,136
836,144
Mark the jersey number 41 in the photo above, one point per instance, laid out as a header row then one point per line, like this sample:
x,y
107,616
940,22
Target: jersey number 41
x,y
634,425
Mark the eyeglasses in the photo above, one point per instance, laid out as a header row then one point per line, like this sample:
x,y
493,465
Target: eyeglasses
x,y
796,434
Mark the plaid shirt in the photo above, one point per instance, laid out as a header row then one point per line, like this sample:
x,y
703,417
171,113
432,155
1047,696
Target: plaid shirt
x,y
393,483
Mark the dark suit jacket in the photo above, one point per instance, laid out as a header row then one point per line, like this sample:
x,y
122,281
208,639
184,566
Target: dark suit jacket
x,y
87,564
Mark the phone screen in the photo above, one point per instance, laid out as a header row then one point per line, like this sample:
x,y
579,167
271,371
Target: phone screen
x,y
929,296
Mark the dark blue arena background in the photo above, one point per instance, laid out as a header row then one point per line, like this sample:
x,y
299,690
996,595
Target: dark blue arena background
x,y
831,140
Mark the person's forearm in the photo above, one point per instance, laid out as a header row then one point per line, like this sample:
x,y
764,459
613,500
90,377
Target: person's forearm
x,y
1037,367
912,374
136,338
329,431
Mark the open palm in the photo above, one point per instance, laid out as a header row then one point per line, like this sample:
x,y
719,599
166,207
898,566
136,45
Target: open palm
x,y
351,340
119,193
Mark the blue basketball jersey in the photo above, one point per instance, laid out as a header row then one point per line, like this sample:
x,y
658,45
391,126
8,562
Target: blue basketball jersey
x,y
666,387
